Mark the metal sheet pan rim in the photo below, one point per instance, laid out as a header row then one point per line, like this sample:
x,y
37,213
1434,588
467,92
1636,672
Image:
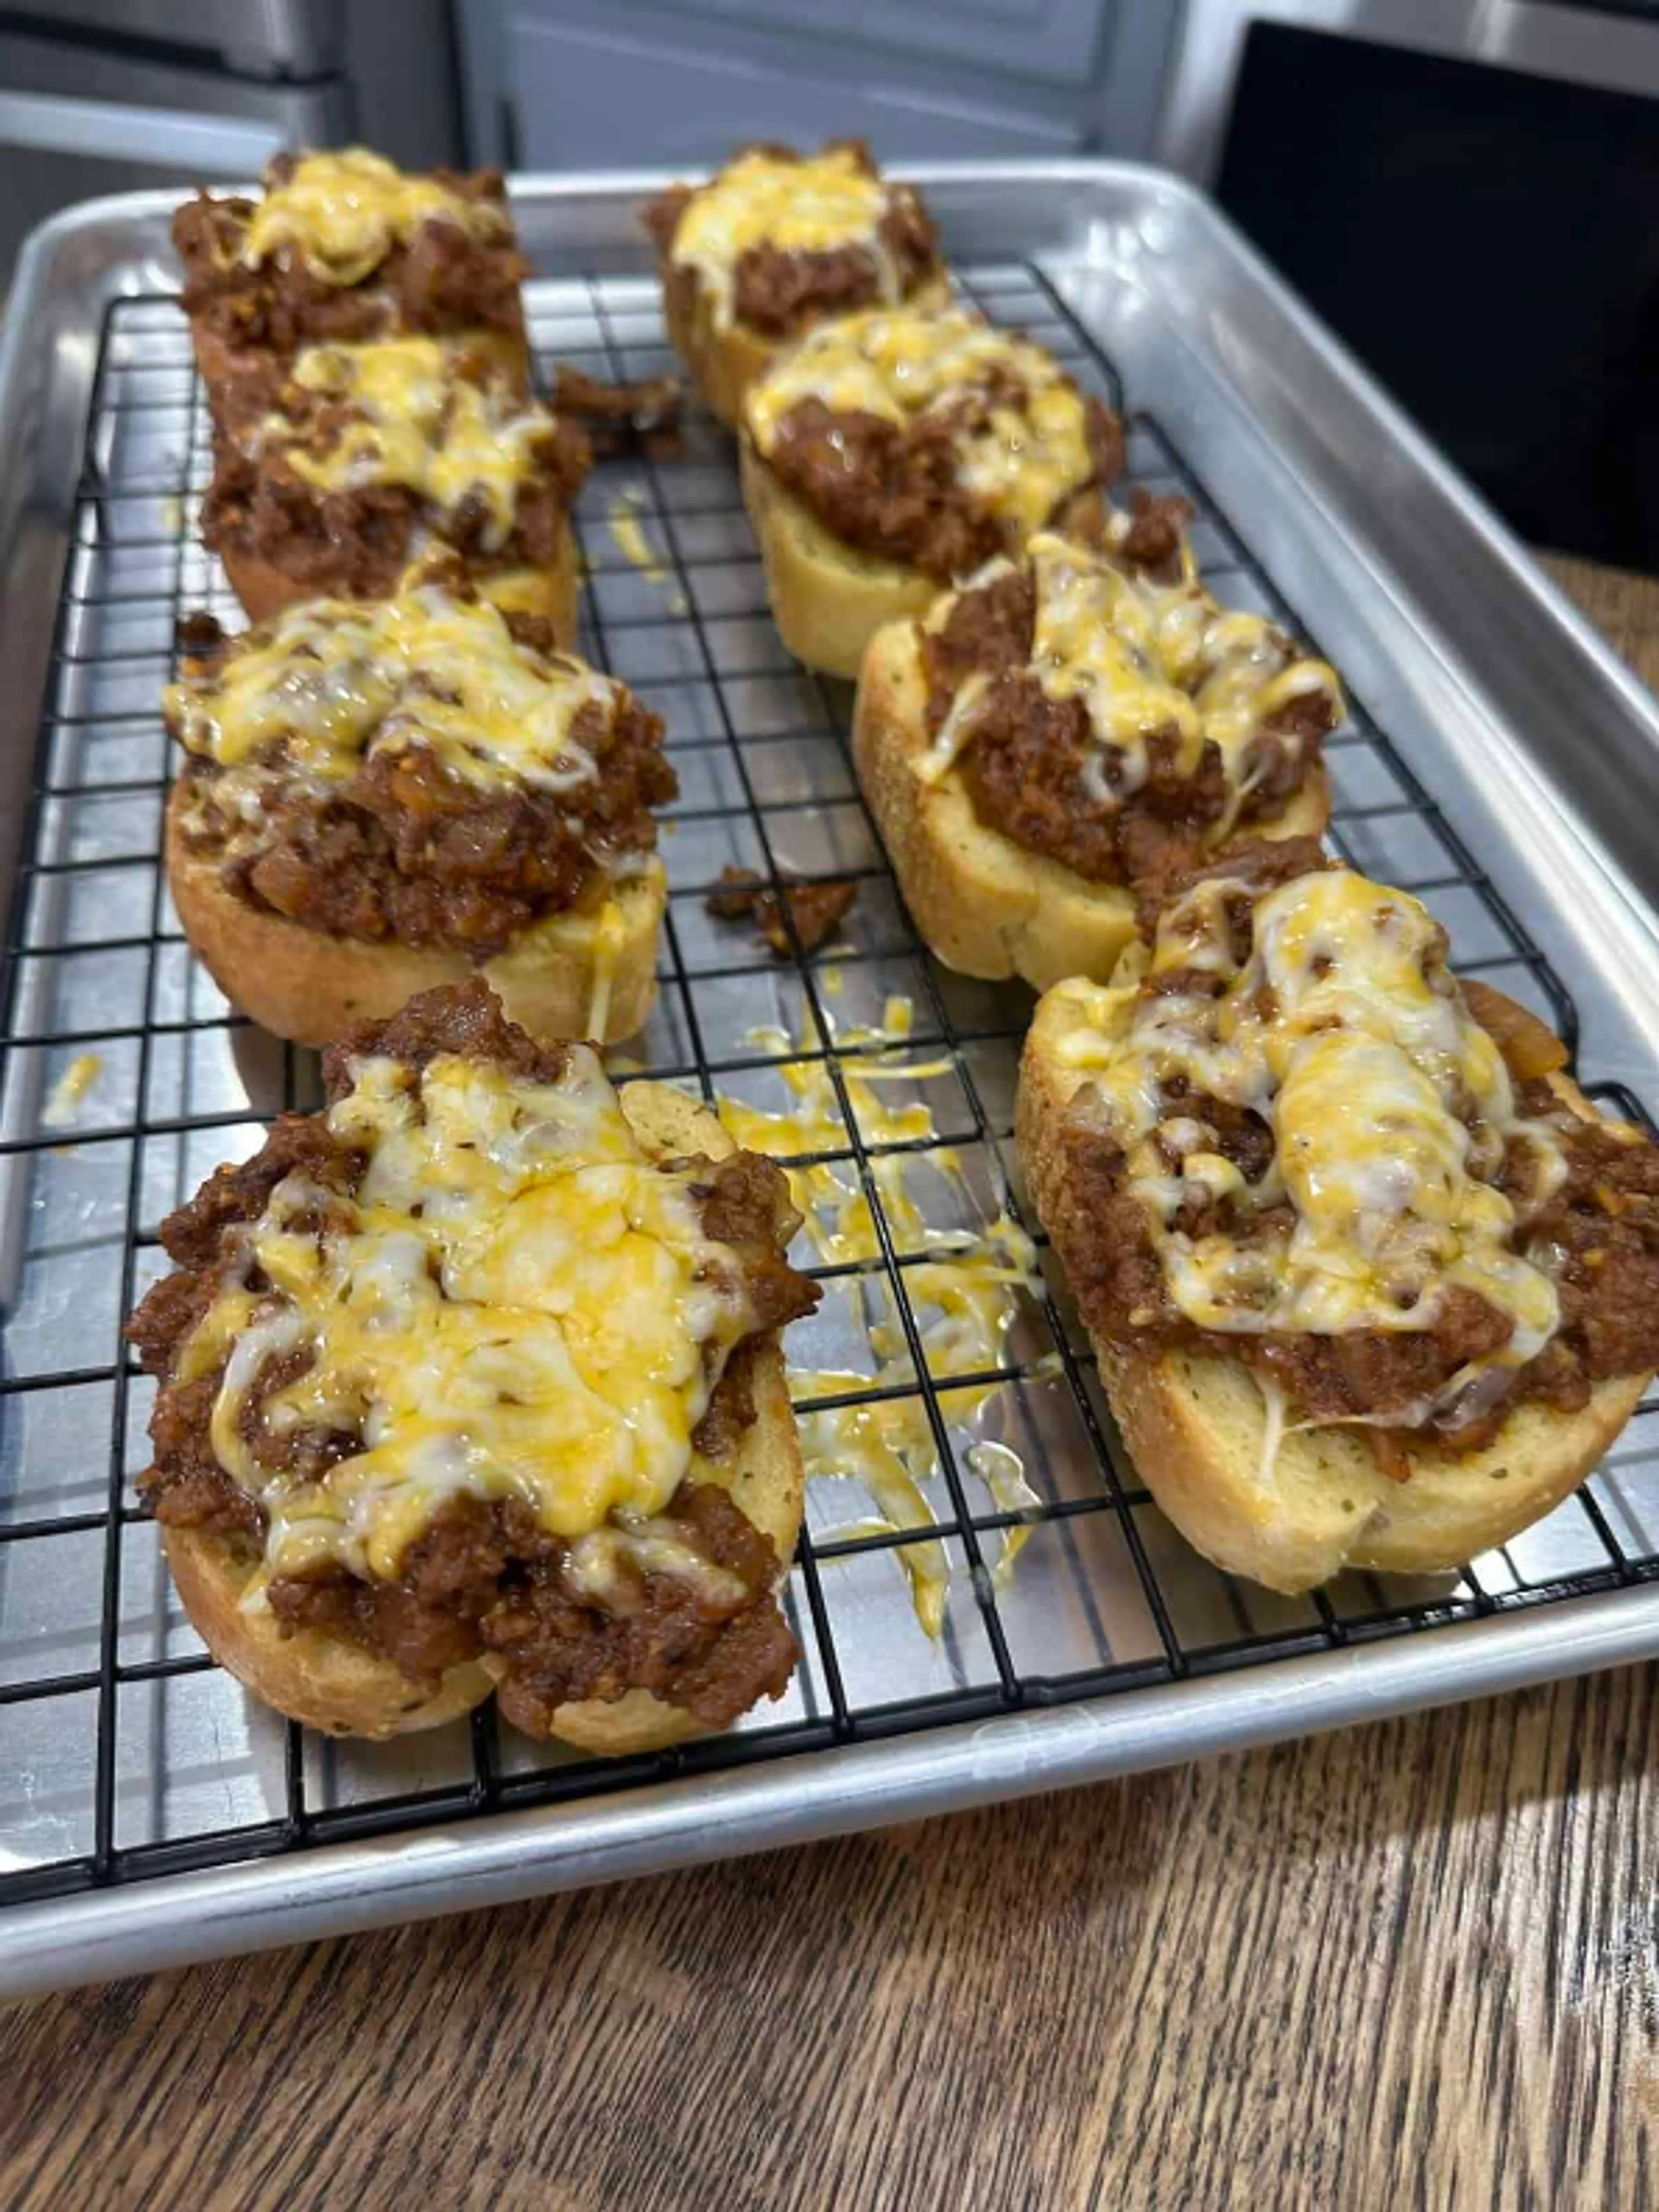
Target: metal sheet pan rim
x,y
504,1857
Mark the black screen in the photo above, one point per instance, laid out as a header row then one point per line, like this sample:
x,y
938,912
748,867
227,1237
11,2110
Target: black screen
x,y
1488,244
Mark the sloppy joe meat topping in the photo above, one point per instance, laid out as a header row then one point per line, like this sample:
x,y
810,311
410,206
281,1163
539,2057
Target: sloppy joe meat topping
x,y
460,1318
423,768
1298,1146
776,238
1103,717
930,438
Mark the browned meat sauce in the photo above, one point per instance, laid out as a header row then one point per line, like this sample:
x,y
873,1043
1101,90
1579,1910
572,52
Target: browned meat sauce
x,y
482,1576
354,541
442,281
780,293
404,852
892,489
643,415
817,909
1601,1229
1025,766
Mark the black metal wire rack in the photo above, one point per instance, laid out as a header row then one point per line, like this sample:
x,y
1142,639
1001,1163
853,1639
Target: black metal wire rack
x,y
127,1079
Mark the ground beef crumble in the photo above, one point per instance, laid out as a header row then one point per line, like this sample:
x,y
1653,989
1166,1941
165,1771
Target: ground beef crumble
x,y
1600,1228
780,293
817,909
486,1577
442,281
405,852
1026,767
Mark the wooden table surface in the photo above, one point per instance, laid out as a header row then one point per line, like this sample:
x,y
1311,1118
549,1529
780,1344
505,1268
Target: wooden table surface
x,y
1409,1964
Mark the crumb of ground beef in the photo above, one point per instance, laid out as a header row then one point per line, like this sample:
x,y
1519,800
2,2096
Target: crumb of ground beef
x,y
816,908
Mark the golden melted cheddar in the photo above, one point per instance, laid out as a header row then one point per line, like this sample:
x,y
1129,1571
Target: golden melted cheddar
x,y
1144,657
1390,1107
515,1304
332,683
964,1293
342,213
416,421
1020,461
812,206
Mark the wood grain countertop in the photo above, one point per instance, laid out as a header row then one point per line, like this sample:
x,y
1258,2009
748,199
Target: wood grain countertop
x,y
1413,1964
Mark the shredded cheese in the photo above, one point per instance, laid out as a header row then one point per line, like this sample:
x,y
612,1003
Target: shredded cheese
x,y
1020,457
629,533
965,1294
64,1102
417,421
819,205
515,1303
342,213
332,683
1390,1107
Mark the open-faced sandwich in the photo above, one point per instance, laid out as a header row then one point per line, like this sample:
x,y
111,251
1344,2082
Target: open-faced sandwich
x,y
1067,720
380,797
335,471
1371,1283
472,1381
892,453
776,241
344,247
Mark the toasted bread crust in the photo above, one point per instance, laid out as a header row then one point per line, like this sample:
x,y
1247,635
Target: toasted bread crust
x,y
723,363
326,1682
265,590
311,986
332,1684
826,599
985,905
1197,1426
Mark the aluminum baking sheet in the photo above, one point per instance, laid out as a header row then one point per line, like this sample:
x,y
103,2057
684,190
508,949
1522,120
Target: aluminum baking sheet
x,y
1498,758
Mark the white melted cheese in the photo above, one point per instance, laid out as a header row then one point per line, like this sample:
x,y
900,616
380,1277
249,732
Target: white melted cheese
x,y
1391,1110
418,421
515,1303
819,205
333,682
1145,659
342,213
1020,463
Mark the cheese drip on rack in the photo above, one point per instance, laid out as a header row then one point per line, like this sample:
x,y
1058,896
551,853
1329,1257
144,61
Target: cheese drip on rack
x,y
1390,1107
342,213
1028,453
1143,659
419,421
965,1294
820,205
515,1303
334,683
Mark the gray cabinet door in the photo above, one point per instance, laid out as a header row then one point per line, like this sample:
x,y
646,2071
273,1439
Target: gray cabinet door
x,y
553,85
1053,40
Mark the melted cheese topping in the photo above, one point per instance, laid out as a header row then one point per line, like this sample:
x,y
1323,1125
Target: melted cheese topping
x,y
1020,462
515,1304
418,422
965,1295
1143,658
342,213
1390,1107
333,682
813,206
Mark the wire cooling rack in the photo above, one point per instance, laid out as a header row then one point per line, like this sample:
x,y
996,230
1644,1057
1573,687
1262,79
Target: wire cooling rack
x,y
128,1079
